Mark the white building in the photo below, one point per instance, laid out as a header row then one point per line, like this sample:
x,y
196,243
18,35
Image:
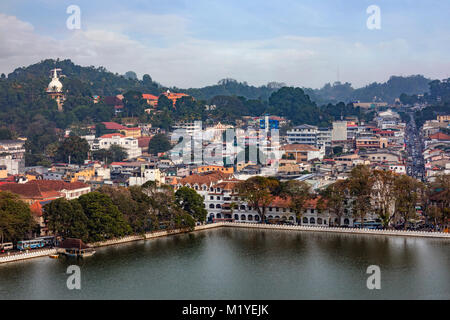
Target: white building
x,y
144,176
303,134
130,144
339,131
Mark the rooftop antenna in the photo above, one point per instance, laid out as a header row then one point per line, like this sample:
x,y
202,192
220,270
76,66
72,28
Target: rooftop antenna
x,y
338,76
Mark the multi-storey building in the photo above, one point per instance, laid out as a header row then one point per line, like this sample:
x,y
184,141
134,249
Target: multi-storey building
x,y
303,134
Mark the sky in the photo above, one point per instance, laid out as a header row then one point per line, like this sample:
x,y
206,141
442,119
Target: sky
x,y
194,43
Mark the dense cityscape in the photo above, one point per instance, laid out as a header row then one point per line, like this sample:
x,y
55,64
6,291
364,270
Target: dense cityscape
x,y
224,152
363,164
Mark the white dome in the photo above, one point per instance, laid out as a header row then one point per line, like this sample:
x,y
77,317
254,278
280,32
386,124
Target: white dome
x,y
55,85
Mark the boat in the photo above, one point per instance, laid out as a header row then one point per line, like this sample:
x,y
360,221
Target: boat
x,y
75,248
54,256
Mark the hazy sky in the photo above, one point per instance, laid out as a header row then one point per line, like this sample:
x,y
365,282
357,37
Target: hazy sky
x,y
192,43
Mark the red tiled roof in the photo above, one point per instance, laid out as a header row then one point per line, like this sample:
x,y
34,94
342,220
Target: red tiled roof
x,y
143,142
41,189
211,177
29,191
113,126
440,136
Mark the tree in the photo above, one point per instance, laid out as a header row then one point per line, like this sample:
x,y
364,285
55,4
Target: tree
x,y
299,192
131,75
383,195
134,103
164,103
335,195
294,104
258,192
16,221
74,147
66,218
159,143
191,202
134,204
113,153
407,192
438,197
105,221
360,184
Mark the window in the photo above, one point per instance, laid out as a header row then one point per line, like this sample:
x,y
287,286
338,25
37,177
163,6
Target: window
x,y
312,221
319,220
211,206
236,217
242,217
218,206
305,220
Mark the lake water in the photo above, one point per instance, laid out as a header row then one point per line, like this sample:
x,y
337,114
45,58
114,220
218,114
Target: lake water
x,y
230,263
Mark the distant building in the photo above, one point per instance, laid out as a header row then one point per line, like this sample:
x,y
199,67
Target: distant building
x,y
302,134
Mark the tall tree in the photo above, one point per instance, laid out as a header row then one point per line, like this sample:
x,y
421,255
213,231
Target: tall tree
x,y
335,195
16,220
105,221
66,218
191,202
159,143
73,148
258,192
298,192
407,195
361,183
383,195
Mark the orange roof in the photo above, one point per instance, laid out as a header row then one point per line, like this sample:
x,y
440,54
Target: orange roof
x,y
440,136
113,126
148,96
211,177
110,135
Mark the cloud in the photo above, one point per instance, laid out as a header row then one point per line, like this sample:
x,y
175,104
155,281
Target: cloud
x,y
180,59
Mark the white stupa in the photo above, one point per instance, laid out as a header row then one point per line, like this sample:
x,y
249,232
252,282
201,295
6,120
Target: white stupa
x,y
55,89
55,86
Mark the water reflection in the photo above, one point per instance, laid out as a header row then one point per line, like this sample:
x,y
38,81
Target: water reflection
x,y
243,264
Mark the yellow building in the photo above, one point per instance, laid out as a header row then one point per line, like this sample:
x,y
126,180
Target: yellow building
x,y
131,132
85,174
443,118
214,168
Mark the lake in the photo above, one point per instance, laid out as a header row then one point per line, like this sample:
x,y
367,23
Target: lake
x,y
233,263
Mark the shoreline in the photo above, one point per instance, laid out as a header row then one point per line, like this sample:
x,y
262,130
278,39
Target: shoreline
x,y
158,234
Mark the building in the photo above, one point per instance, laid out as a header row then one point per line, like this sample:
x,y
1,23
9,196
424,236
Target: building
x,y
211,168
150,99
324,136
339,131
12,155
302,152
130,145
443,118
174,96
303,134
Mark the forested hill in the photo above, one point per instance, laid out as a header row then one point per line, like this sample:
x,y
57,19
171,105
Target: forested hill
x,y
387,91
97,80
231,87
